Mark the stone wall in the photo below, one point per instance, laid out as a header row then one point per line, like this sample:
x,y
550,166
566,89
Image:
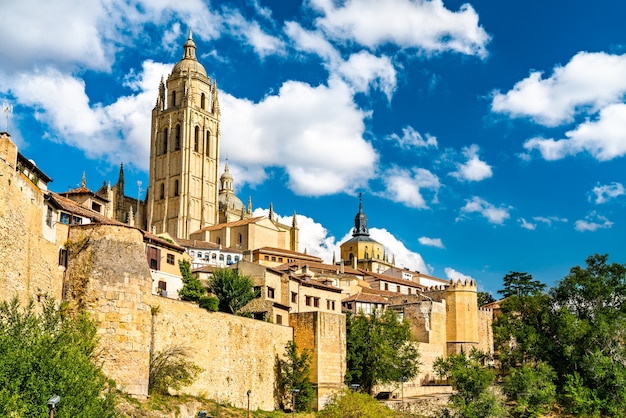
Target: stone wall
x,y
485,330
108,276
325,335
28,262
236,353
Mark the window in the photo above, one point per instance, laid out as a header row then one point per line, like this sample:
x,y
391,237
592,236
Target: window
x,y
177,138
221,257
162,286
280,259
279,319
229,259
174,98
202,99
175,187
63,257
328,304
219,242
153,264
294,297
316,302
199,254
349,305
208,143
273,258
170,259
307,300
96,207
49,217
386,286
213,256
163,142
236,258
267,257
398,288
257,291
162,194
196,139
65,218
270,292
332,305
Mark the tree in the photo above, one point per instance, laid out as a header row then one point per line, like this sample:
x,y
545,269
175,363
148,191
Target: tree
x,y
46,352
171,369
192,289
472,381
294,371
233,289
520,284
531,388
589,331
380,349
484,298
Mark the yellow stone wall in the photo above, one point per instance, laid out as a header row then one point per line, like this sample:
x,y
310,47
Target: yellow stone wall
x,y
235,353
325,335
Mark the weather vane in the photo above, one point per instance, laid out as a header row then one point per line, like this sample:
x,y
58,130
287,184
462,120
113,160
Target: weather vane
x,y
8,109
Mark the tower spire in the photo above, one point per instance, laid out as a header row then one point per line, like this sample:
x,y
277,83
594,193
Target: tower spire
x,y
360,221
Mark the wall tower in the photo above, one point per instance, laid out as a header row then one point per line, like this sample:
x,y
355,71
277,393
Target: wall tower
x,y
184,150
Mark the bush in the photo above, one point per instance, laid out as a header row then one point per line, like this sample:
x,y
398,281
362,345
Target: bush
x,y
44,353
209,303
192,289
532,389
170,369
349,404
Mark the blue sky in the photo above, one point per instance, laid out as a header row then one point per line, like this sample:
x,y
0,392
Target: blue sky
x,y
486,137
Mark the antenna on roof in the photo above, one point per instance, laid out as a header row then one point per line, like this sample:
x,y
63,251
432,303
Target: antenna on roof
x,y
8,109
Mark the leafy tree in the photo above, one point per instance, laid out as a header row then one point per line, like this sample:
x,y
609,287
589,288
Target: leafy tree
x,y
294,372
521,331
589,331
484,298
532,389
44,352
380,349
233,289
171,369
472,381
350,404
192,289
210,303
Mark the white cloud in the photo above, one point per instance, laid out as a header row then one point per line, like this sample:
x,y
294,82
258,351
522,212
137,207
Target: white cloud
x,y
607,192
589,82
310,132
315,240
592,222
431,242
312,42
116,132
364,70
406,186
412,139
549,220
425,25
495,215
250,31
604,138
457,276
474,169
527,225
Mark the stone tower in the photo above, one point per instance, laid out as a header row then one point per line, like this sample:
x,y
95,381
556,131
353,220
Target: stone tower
x,y
462,316
184,150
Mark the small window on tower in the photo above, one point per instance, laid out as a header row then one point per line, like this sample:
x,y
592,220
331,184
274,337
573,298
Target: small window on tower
x,y
202,99
162,191
196,140
174,98
175,187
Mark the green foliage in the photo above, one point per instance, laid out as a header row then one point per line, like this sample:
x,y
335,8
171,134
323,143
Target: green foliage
x,y
192,289
484,298
44,353
380,349
232,289
171,369
532,389
350,404
520,284
472,381
293,373
210,303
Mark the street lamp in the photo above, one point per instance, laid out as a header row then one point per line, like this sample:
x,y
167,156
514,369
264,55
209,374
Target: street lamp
x,y
52,402
293,401
402,380
248,393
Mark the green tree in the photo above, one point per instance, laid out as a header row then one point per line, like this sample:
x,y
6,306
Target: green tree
x,y
380,349
192,289
484,298
473,397
171,369
44,353
532,390
349,404
294,371
233,289
522,330
589,332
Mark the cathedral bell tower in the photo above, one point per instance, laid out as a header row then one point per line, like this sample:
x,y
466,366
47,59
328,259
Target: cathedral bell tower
x,y
184,150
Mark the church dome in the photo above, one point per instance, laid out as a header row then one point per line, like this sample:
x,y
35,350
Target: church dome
x,y
228,201
189,63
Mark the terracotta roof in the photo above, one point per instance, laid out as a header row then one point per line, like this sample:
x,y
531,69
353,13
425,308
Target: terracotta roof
x,y
392,279
231,224
194,243
366,297
149,237
316,284
275,250
332,268
74,208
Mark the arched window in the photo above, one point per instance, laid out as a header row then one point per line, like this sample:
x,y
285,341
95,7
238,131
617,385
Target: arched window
x,y
175,187
219,241
174,98
177,139
221,257
240,239
164,142
207,148
162,190
213,256
229,259
236,258
202,99
196,139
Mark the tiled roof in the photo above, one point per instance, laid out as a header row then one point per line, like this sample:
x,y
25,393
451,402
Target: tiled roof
x,y
149,237
392,279
194,243
282,251
328,268
230,224
74,208
366,297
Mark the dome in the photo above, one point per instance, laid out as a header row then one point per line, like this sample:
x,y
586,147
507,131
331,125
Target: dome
x,y
189,63
230,202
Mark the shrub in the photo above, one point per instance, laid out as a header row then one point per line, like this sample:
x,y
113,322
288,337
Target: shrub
x,y
171,369
349,404
209,303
